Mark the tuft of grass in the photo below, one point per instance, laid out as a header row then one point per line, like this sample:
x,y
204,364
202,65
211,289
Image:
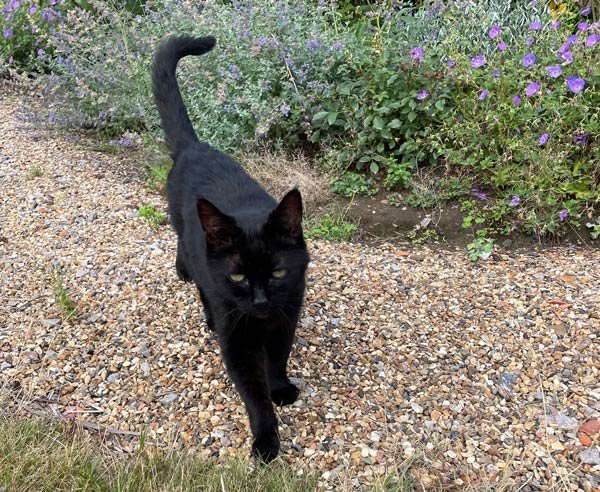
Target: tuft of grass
x,y
35,172
42,455
62,295
332,226
152,215
157,173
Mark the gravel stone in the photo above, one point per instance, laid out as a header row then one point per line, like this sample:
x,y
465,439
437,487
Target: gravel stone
x,y
423,340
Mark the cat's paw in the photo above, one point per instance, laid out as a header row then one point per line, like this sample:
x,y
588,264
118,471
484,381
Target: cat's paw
x,y
182,272
266,446
286,395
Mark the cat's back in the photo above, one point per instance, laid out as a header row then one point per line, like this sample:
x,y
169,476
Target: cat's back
x,y
202,171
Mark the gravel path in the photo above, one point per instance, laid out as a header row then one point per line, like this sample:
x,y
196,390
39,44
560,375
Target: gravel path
x,y
484,373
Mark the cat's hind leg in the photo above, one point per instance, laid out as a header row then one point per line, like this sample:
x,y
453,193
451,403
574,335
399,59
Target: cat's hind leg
x,y
182,270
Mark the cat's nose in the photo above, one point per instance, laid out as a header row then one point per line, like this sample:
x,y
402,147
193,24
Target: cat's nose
x,y
260,300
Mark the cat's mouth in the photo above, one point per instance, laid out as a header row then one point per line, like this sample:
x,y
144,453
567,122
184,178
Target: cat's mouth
x,y
262,313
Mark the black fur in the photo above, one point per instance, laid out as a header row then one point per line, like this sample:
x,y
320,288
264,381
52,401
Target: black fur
x,y
227,224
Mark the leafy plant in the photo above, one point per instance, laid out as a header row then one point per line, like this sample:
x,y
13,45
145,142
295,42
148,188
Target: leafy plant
x,y
351,184
152,215
331,226
480,248
594,228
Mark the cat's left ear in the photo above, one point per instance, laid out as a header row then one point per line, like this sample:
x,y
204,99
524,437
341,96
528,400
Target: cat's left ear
x,y
286,219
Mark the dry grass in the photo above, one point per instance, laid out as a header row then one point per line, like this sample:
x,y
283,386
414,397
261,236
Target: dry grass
x,y
279,173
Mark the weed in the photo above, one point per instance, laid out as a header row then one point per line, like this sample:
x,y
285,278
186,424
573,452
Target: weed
x,y
157,173
331,226
62,295
421,236
152,215
35,172
351,184
480,248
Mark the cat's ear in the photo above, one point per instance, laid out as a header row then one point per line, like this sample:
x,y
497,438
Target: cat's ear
x,y
221,230
286,219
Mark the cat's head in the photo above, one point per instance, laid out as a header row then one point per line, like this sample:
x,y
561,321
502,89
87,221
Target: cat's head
x,y
260,270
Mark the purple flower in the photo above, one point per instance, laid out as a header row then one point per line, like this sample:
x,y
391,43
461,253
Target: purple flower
x,y
450,63
544,138
7,33
555,25
563,214
575,84
417,54
10,60
554,71
567,56
515,201
528,60
496,74
516,101
502,46
494,32
582,26
422,95
591,41
532,89
313,45
32,9
40,53
535,26
586,12
483,94
581,139
529,41
478,61
285,109
572,39
479,194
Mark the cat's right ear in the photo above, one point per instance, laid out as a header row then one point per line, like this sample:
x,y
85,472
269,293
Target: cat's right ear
x,y
221,230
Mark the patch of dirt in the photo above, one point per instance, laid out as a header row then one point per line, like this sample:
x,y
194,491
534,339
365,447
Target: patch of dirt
x,y
379,220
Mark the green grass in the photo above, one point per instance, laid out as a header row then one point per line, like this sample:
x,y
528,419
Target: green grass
x,y
35,172
45,456
152,215
157,173
331,226
62,295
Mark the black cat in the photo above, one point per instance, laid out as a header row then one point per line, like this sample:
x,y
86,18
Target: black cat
x,y
245,253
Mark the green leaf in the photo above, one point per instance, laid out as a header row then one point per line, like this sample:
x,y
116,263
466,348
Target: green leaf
x,y
440,104
331,118
377,123
374,167
320,115
412,116
395,123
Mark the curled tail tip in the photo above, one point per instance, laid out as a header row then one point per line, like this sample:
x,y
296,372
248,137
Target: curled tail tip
x,y
181,45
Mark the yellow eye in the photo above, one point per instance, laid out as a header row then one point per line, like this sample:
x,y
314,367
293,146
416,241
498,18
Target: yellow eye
x,y
279,273
237,277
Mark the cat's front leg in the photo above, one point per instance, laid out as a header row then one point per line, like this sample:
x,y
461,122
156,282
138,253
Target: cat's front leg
x,y
246,367
278,347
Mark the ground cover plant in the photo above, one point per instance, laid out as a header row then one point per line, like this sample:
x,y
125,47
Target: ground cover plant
x,y
500,95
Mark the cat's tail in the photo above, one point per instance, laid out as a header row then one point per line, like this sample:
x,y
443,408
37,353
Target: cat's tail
x,y
176,124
